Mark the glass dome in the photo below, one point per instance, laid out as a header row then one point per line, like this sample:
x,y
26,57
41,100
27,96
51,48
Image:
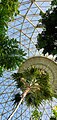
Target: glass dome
x,y
25,29
26,25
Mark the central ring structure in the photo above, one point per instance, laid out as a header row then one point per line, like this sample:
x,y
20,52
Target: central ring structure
x,y
43,63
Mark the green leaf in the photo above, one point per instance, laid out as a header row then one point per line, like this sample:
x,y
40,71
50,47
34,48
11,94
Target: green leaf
x,y
47,38
36,114
39,83
17,98
1,71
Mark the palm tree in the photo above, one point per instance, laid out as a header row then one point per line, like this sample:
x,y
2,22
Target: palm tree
x,y
35,86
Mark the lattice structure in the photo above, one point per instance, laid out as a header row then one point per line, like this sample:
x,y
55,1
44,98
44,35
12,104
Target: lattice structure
x,y
25,29
26,26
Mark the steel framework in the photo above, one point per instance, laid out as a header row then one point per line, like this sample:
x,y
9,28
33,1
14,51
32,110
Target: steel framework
x,y
25,29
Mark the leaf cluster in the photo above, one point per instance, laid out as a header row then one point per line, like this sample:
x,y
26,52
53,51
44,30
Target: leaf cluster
x,y
17,98
8,9
1,71
54,117
36,115
54,2
11,55
55,111
39,83
48,38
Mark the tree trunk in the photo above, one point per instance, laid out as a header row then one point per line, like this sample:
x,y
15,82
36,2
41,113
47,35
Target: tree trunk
x,y
24,95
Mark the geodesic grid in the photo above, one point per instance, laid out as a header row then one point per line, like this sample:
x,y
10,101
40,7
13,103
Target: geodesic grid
x,y
25,29
26,26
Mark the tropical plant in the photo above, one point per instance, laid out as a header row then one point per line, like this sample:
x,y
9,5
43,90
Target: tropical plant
x,y
1,71
48,38
11,55
52,118
34,84
38,83
8,9
54,110
36,115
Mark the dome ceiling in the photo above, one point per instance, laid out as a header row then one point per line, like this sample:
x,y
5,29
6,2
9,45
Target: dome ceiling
x,y
25,29
26,26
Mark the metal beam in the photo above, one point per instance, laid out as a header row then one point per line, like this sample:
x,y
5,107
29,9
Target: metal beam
x,y
39,7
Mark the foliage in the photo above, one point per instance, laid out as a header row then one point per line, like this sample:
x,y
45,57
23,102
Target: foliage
x,y
54,117
39,83
48,38
17,98
10,53
8,9
54,2
1,71
12,56
55,111
36,115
